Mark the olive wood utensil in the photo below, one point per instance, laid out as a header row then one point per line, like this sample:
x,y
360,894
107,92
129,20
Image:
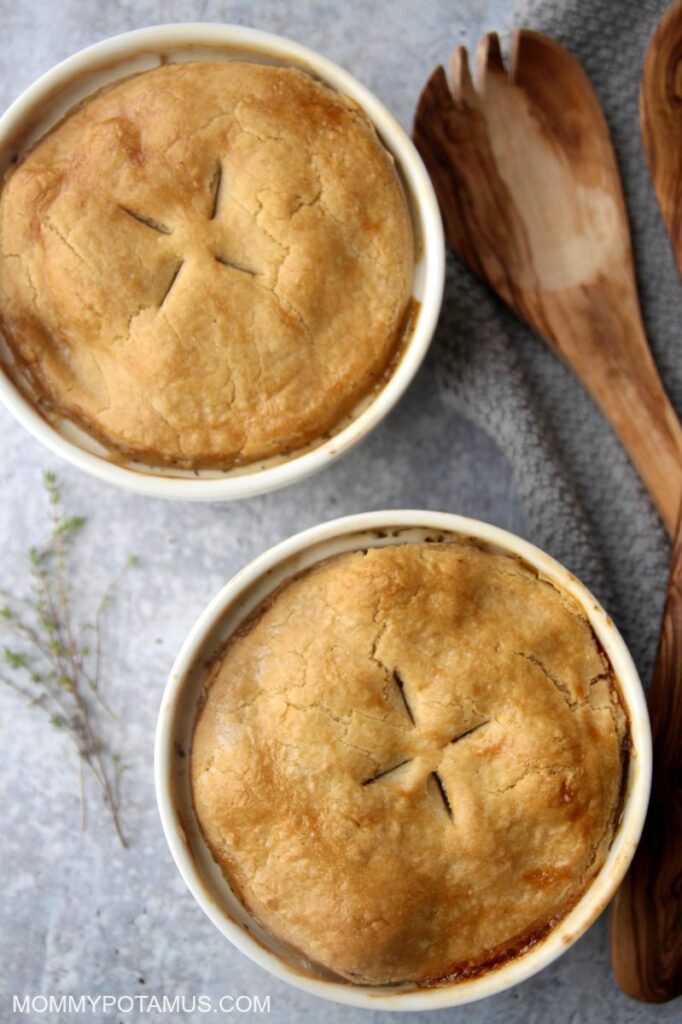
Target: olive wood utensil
x,y
646,915
532,201
646,919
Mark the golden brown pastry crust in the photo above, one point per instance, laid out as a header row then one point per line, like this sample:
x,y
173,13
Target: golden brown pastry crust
x,y
488,682
207,263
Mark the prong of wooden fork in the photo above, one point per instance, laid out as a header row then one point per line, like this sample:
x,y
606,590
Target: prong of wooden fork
x,y
462,84
534,56
488,59
515,57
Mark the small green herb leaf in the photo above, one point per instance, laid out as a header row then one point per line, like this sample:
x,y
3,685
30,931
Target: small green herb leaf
x,y
14,659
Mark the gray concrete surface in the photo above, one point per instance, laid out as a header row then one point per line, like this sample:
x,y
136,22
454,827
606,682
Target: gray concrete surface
x,y
78,915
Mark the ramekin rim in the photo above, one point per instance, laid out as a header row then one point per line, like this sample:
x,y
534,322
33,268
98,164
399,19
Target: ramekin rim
x,y
424,202
600,891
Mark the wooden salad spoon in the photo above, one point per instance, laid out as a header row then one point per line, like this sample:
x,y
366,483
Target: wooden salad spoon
x,y
646,919
532,201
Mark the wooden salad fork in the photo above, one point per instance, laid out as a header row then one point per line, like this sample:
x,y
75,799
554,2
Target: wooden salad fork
x,y
646,919
527,180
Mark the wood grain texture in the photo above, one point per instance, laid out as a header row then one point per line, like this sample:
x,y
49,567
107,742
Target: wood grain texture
x,y
660,110
646,917
532,201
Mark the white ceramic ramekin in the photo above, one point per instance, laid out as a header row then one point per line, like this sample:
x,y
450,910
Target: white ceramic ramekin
x,y
178,713
48,99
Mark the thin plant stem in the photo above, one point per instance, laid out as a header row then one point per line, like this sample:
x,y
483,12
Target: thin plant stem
x,y
63,674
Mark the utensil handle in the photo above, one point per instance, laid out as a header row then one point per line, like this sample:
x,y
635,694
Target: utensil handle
x,y
646,919
602,338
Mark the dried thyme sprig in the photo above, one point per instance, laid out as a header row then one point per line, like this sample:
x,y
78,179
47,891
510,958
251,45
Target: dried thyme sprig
x,y
49,662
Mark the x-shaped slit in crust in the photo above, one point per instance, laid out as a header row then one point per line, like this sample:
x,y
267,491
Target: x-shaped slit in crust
x,y
215,192
148,222
401,689
388,771
437,779
236,266
171,282
442,792
469,732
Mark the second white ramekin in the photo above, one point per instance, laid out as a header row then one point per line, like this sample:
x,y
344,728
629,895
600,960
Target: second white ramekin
x,y
177,716
48,99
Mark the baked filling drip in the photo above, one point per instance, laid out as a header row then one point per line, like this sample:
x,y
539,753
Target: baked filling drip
x,y
206,264
409,762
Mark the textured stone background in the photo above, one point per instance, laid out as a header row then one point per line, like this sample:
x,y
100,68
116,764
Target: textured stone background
x,y
78,915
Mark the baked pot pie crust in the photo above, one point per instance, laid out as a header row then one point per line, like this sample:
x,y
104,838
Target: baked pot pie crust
x,y
206,264
409,763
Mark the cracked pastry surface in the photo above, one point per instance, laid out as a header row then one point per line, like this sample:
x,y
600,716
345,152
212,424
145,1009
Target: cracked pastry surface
x,y
409,761
207,263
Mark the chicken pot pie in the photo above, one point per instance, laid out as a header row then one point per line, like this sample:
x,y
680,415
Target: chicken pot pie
x,y
206,264
409,763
